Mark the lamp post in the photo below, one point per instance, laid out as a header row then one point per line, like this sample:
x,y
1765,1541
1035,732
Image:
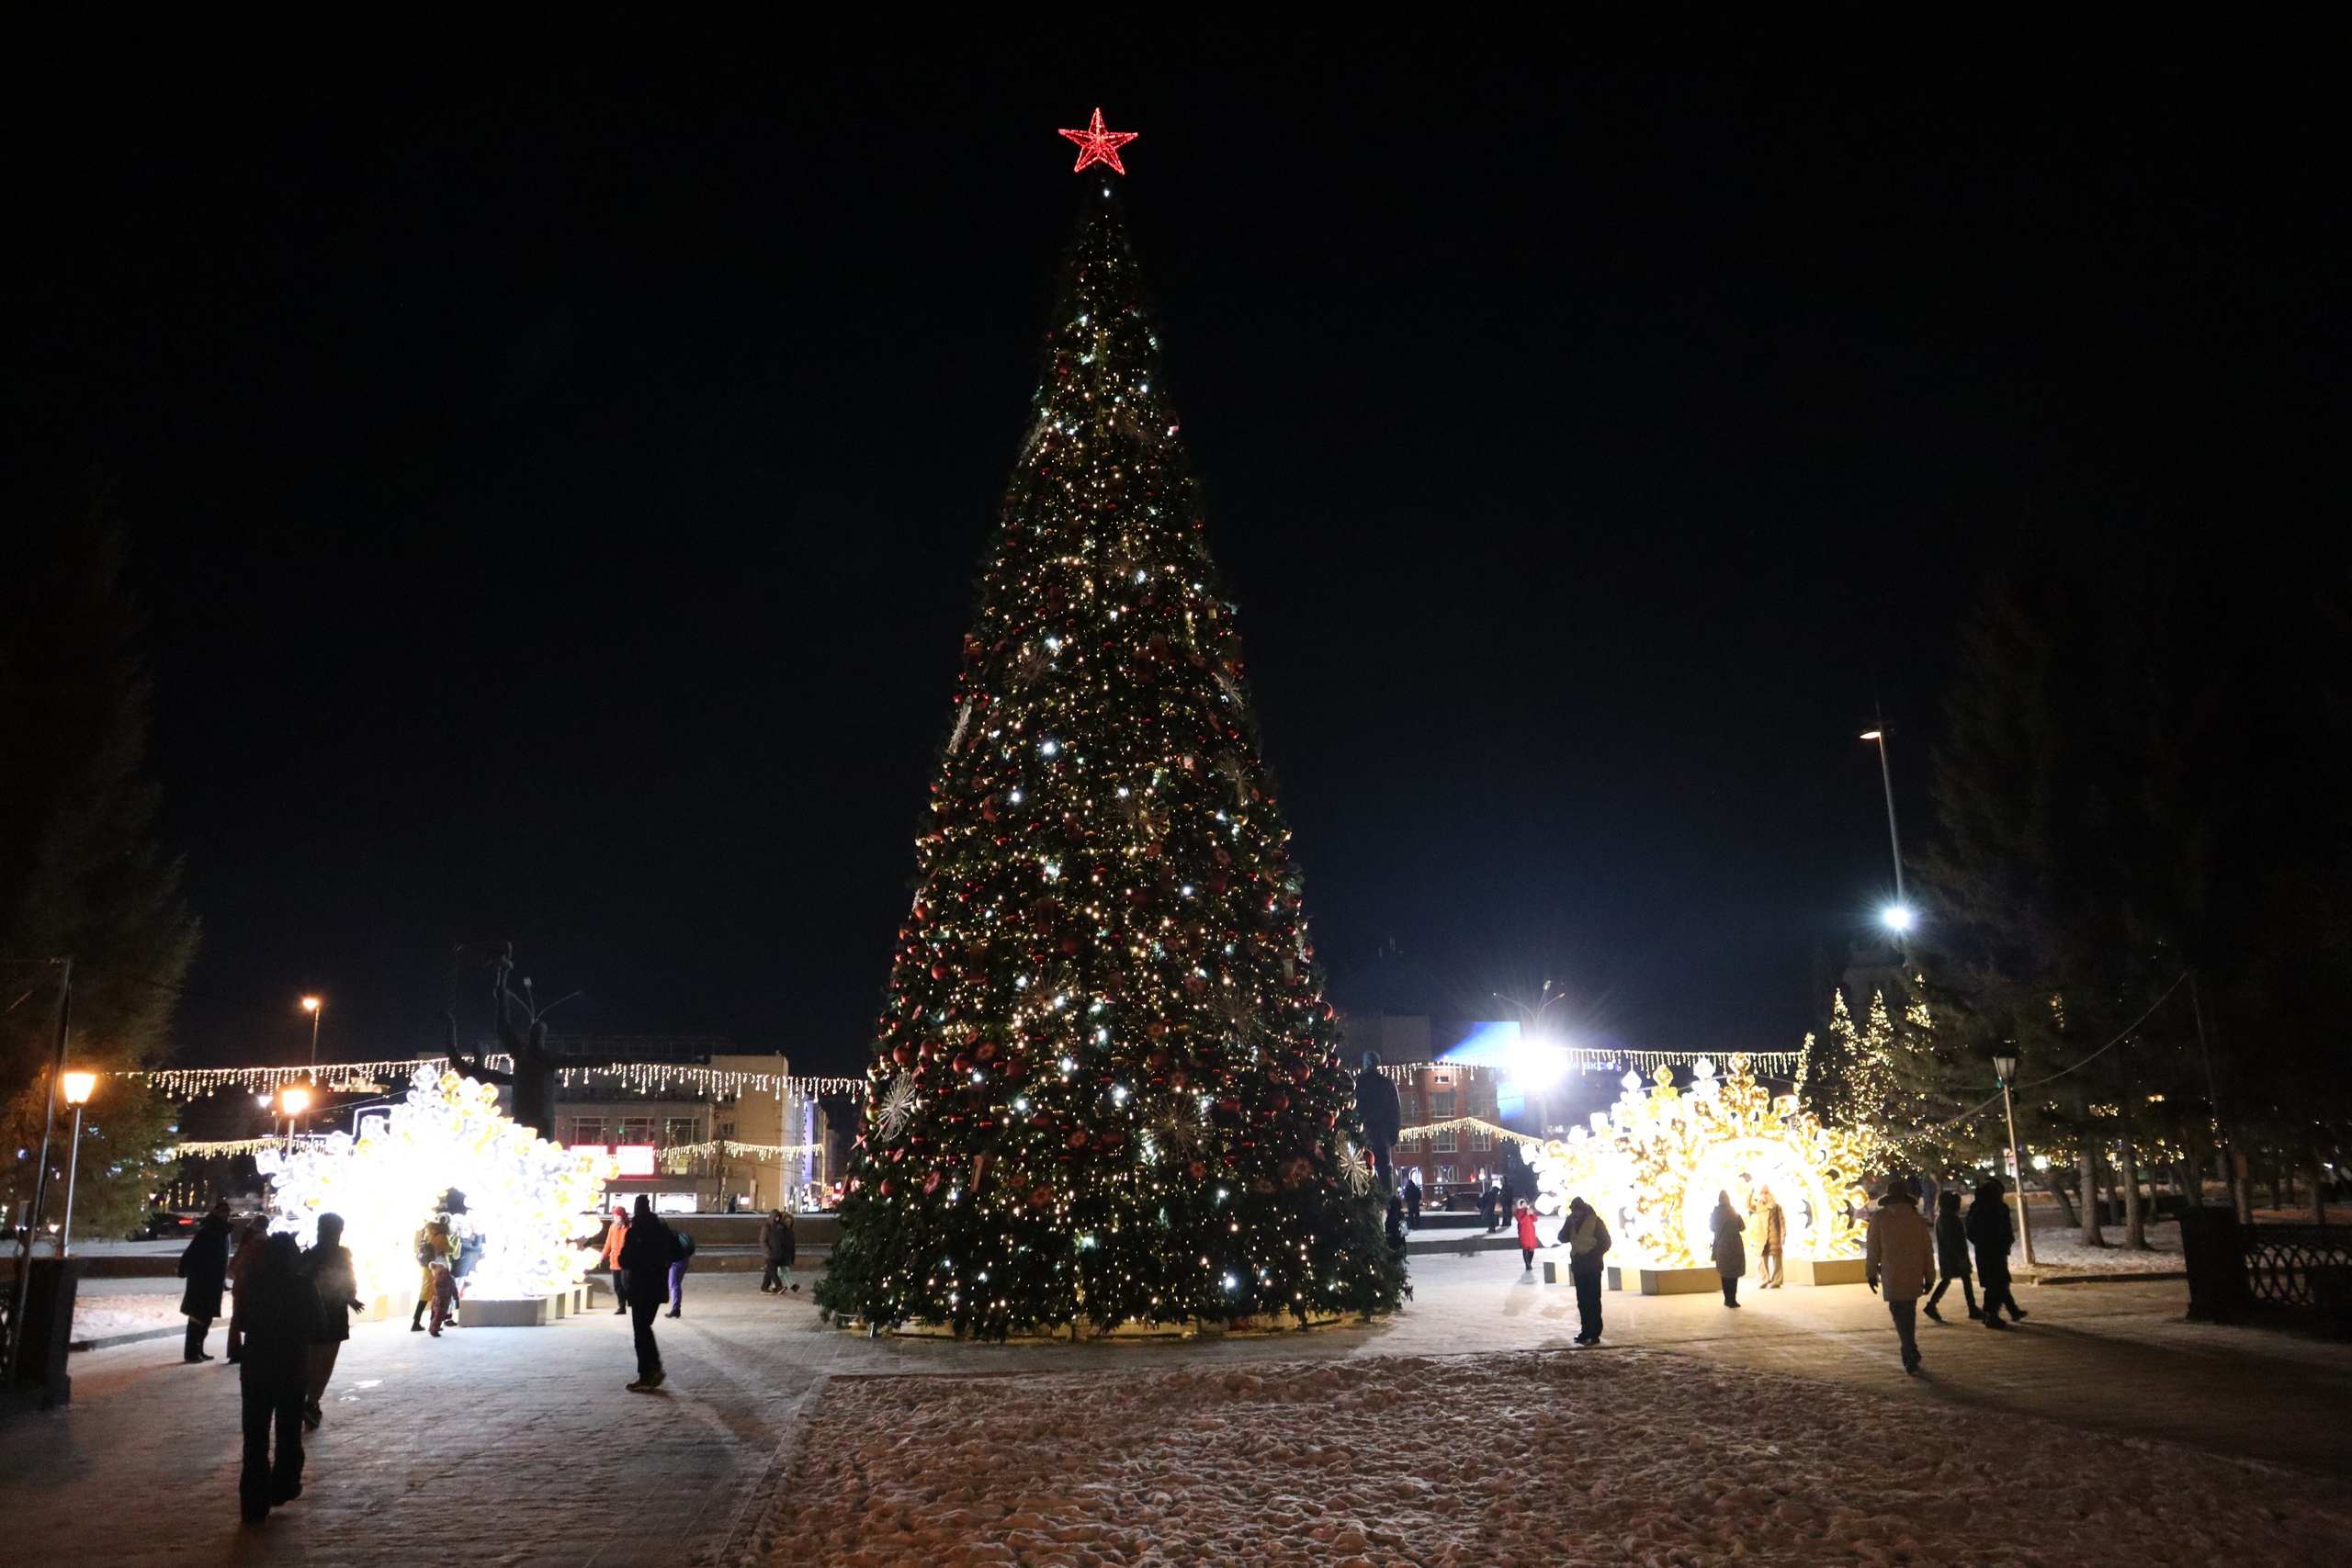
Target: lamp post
x,y
1898,915
293,1099
78,1086
2005,1067
316,1006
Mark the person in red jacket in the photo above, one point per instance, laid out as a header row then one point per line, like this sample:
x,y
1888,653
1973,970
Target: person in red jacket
x,y
1524,1212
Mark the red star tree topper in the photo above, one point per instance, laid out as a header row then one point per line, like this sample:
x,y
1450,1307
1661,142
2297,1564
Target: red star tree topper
x,y
1096,145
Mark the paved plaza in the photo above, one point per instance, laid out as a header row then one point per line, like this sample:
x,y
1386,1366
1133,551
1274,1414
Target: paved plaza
x,y
521,1446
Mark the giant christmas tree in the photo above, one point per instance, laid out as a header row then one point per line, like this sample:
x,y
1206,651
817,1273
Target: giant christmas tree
x,y
1106,1087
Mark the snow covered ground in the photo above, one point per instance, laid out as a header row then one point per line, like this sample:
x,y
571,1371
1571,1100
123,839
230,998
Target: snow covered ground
x,y
1520,1458
2059,1249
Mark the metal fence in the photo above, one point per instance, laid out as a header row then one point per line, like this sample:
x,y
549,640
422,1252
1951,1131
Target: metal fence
x,y
2305,1270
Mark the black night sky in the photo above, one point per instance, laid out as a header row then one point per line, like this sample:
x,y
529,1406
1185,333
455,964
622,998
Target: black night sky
x,y
556,465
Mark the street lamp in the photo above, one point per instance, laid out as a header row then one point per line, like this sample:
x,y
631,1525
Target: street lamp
x,y
1896,916
316,1006
78,1087
2004,1067
293,1099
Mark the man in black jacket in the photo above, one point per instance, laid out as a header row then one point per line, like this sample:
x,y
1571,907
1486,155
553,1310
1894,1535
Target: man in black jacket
x,y
1990,1232
1379,1115
282,1320
648,1253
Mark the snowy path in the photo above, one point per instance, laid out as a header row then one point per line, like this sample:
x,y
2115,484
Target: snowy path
x,y
1530,1458
520,1446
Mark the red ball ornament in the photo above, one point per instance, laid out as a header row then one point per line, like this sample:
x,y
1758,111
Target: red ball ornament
x,y
1041,1196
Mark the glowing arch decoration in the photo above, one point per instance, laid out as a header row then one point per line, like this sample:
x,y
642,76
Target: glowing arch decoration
x,y
1653,1164
529,1201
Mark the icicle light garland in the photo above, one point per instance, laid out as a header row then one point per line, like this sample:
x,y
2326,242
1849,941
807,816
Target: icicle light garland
x,y
1423,1129
678,1156
217,1148
370,1077
1773,1064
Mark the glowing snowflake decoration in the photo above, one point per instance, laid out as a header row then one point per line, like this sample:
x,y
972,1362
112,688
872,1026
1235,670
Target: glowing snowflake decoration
x,y
897,1107
1653,1164
1355,1171
529,1199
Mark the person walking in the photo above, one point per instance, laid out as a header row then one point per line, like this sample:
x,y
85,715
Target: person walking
x,y
779,1246
1524,1212
1586,1239
1952,1254
1991,1232
1773,1231
328,1268
282,1322
1412,1200
1731,1252
205,1265
678,1271
241,1263
615,1234
1898,1257
646,1257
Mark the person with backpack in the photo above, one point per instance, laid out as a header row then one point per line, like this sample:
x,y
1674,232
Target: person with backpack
x,y
1586,1239
678,1271
646,1256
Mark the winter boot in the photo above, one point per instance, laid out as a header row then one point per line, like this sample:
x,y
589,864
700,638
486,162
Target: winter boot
x,y
416,1319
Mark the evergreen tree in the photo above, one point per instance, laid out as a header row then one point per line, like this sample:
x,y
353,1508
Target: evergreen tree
x,y
1107,1086
80,875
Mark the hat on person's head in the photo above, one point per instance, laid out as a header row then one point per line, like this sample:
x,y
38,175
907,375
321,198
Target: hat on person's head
x,y
1898,1190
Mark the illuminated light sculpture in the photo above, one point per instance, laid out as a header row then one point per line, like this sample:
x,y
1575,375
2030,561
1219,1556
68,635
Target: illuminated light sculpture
x,y
1653,1164
532,1201
1096,145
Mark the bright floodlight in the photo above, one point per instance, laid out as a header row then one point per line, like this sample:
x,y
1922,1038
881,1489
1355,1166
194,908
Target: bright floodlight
x,y
294,1099
78,1086
1870,733
1897,917
310,1004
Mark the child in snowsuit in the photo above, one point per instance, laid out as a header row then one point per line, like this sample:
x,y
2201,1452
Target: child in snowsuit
x,y
445,1297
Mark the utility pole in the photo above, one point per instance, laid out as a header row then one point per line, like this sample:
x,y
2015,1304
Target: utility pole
x,y
40,1172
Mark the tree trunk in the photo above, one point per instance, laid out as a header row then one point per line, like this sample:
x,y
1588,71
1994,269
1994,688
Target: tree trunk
x,y
2086,1170
2319,1189
2241,1189
2135,1219
2058,1190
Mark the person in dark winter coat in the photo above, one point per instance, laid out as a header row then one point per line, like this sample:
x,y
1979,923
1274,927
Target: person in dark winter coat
x,y
1731,1252
1412,1196
244,1257
779,1246
328,1268
647,1255
282,1322
1586,1239
1951,1256
1991,1232
205,1266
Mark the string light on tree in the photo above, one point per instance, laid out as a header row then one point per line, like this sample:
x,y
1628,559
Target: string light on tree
x,y
1106,1087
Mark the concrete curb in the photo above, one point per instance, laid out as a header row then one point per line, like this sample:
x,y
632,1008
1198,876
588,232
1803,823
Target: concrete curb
x,y
107,1342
